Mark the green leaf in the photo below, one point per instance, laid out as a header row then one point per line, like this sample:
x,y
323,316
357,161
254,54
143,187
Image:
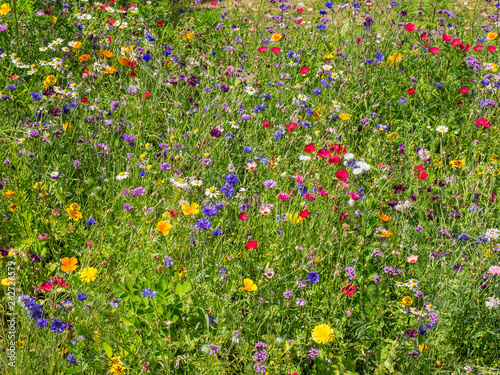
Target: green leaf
x,y
107,349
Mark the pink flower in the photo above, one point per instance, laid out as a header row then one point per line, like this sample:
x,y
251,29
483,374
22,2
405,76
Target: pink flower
x,y
299,179
354,195
310,196
284,196
494,270
323,193
412,259
434,50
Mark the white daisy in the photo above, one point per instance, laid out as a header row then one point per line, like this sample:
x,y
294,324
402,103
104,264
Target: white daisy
x,y
122,176
250,90
211,192
442,129
197,183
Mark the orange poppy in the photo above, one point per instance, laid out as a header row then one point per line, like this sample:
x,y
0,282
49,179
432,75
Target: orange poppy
x,y
84,59
69,264
384,217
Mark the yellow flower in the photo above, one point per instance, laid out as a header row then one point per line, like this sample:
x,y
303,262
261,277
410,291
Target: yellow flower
x,y
74,207
394,58
295,219
392,135
181,271
328,56
492,36
12,207
323,334
4,9
67,125
53,19
49,80
345,116
188,36
249,286
6,282
69,264
110,70
494,159
190,210
457,164
386,233
117,366
164,227
423,347
276,37
438,163
88,274
75,215
407,301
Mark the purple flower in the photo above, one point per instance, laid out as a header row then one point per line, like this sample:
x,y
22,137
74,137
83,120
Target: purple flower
x,y
434,318
313,277
148,293
204,224
350,273
377,278
245,117
270,184
132,90
300,302
313,353
287,293
127,207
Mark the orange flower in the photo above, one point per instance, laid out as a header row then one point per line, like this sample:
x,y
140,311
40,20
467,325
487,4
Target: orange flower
x,y
164,227
249,286
123,61
69,264
412,259
386,233
110,70
106,53
385,218
84,59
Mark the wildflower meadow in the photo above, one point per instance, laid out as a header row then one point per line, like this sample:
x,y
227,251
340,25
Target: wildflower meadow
x,y
268,187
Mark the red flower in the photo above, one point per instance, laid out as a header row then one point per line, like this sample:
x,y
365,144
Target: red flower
x,y
460,104
334,160
342,175
214,3
59,281
300,10
483,122
309,149
338,149
243,216
410,27
323,154
434,50
447,38
492,49
262,49
291,126
46,287
275,50
298,22
493,197
465,48
160,24
464,91
411,91
349,290
132,64
455,42
424,36
418,168
422,176
304,70
133,74
251,245
84,100
304,214
266,124
478,47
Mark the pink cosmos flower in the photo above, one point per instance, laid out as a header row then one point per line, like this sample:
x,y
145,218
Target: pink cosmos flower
x,y
494,270
284,196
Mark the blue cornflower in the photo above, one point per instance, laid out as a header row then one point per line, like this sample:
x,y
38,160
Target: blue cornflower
x,y
302,188
461,236
149,37
115,302
369,61
393,3
313,277
91,221
71,358
247,149
439,85
309,111
227,190
356,5
316,91
402,100
210,211
204,224
379,56
168,261
323,12
278,134
35,311
42,323
217,232
148,293
231,179
146,57
211,321
58,326
329,5
321,27
82,297
36,96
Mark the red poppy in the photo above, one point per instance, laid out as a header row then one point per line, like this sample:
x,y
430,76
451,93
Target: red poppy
x,y
455,42
349,290
300,10
145,96
323,154
465,48
342,175
460,104
59,281
132,64
262,49
46,287
483,122
424,36
422,176
160,24
309,149
251,245
418,168
298,22
304,214
275,50
338,149
492,49
305,70
464,91
343,216
410,27
411,91
214,3
291,126
266,124
334,160
243,216
493,197
447,37
84,100
478,47
434,50
133,74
